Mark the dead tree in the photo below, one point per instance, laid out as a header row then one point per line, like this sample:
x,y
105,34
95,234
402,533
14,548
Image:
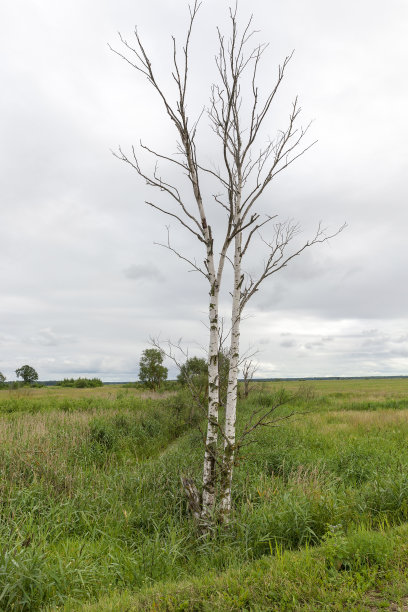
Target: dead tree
x,y
246,171
248,372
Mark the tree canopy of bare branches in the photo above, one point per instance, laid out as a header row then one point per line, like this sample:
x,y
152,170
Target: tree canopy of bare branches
x,y
236,113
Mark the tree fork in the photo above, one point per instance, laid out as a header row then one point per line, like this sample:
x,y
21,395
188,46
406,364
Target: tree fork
x,y
247,170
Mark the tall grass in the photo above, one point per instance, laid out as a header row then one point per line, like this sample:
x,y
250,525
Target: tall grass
x,y
362,571
91,501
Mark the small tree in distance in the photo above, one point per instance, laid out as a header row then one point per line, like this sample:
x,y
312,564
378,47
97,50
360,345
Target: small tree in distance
x,y
194,375
27,373
2,379
151,371
195,368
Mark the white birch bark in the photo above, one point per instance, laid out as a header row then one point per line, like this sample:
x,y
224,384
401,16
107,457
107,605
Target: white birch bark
x,y
210,453
209,468
232,391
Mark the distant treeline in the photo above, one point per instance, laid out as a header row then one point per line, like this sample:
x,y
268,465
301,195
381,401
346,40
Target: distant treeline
x,y
16,384
80,383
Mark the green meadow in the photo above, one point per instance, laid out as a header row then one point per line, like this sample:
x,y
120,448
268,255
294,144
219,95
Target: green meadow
x,y
94,518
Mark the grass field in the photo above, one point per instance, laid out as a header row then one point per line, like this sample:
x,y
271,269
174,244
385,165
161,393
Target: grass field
x,y
93,516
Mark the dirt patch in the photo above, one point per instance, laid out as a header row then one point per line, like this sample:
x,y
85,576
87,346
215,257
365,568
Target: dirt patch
x,y
377,603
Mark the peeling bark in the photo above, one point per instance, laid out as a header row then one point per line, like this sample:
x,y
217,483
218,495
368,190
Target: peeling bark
x,y
232,391
210,454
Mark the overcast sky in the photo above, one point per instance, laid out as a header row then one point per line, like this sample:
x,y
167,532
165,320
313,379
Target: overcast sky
x,y
82,285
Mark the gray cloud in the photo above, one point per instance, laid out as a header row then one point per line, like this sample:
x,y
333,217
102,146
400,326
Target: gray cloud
x,y
146,271
73,220
310,346
47,337
288,343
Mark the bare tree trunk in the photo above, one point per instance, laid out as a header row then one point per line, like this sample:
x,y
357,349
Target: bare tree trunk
x,y
209,469
232,392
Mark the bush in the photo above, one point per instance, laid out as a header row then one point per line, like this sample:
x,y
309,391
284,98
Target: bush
x,y
133,385
184,408
362,548
80,383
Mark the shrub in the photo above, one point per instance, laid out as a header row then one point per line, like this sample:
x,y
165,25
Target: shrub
x,y
357,549
80,383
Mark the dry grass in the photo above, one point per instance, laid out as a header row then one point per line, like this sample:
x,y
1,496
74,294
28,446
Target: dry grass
x,y
350,389
43,447
40,429
349,420
108,392
43,429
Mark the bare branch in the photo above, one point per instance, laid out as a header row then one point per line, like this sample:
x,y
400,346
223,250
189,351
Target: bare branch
x,y
179,219
253,230
192,263
161,156
284,233
172,191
